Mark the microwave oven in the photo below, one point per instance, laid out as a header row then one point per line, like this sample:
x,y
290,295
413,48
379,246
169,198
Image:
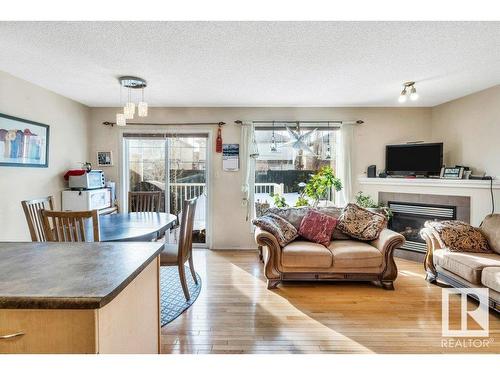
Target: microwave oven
x,y
88,180
86,200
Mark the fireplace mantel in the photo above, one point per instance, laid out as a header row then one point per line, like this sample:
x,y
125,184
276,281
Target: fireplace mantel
x,y
430,182
477,190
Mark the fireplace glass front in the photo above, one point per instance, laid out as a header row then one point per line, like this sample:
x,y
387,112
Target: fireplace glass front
x,y
409,218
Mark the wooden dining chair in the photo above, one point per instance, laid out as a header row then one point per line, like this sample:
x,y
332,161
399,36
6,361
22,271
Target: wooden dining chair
x,y
182,252
144,201
70,226
32,209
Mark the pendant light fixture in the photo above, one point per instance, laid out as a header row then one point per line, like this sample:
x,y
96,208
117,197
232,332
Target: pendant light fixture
x,y
328,153
274,148
142,107
129,109
120,117
408,90
131,83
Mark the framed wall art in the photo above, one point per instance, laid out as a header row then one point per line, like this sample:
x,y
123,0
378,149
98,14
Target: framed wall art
x,y
23,143
104,158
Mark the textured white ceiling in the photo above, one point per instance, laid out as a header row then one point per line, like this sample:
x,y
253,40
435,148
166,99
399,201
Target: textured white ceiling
x,y
255,63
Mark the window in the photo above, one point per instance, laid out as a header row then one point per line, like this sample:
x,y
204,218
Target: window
x,y
282,171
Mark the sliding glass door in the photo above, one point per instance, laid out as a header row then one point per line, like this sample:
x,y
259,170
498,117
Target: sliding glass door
x,y
176,165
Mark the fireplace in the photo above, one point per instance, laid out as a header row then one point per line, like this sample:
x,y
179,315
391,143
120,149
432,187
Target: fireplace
x,y
412,210
409,218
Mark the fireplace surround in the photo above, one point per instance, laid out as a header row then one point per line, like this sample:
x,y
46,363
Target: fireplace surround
x,y
409,218
412,210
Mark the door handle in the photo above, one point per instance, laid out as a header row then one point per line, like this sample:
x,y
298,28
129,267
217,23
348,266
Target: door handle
x,y
11,336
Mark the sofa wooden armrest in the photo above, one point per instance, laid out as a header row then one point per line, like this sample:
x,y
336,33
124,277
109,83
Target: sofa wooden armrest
x,y
271,256
386,243
432,244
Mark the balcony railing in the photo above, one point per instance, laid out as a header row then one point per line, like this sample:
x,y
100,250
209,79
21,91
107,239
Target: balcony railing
x,y
269,188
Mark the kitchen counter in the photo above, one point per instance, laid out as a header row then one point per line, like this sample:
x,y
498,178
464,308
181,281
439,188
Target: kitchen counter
x,y
69,275
80,297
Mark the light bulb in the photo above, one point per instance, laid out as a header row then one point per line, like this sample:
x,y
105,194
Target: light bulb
x,y
328,154
273,145
130,108
413,93
142,109
120,119
402,98
129,115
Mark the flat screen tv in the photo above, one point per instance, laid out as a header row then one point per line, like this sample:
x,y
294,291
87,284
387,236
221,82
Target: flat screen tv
x,y
414,159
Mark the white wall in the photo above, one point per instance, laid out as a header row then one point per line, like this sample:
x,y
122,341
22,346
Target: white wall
x,y
68,122
230,231
470,127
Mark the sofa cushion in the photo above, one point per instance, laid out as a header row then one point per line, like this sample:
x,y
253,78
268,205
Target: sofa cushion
x,y
317,227
278,227
458,236
360,223
490,227
354,254
491,278
306,254
293,215
466,265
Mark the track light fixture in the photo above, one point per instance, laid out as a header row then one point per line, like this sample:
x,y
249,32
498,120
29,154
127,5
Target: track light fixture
x,y
409,90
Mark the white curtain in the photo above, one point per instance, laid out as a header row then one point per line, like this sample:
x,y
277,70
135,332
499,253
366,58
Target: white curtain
x,y
344,171
249,153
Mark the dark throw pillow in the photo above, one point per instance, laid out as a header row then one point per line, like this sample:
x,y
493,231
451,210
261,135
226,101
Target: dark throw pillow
x,y
459,236
278,227
334,212
317,227
360,223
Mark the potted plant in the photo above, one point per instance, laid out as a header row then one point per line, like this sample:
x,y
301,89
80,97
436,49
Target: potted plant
x,y
365,201
279,200
302,201
319,184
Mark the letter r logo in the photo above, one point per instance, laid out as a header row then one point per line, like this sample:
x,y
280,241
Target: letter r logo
x,y
480,314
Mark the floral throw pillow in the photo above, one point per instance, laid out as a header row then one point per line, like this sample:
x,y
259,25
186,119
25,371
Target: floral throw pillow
x,y
293,215
334,212
278,227
361,224
317,227
459,236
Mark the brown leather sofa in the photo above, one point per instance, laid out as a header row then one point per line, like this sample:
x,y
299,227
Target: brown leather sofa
x,y
344,259
467,270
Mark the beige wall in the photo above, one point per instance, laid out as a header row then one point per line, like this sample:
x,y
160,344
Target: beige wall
x,y
470,127
230,231
68,122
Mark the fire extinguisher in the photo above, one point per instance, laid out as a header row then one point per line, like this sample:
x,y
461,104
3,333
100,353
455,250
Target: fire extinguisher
x,y
218,143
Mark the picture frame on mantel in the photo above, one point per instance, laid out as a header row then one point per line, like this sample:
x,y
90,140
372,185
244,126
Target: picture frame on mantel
x,y
104,158
23,143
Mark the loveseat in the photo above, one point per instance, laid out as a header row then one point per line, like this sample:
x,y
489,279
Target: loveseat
x,y
344,259
466,269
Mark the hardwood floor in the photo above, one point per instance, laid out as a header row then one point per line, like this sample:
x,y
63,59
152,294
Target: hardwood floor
x,y
235,313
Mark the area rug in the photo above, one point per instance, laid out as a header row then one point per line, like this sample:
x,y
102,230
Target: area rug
x,y
173,302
